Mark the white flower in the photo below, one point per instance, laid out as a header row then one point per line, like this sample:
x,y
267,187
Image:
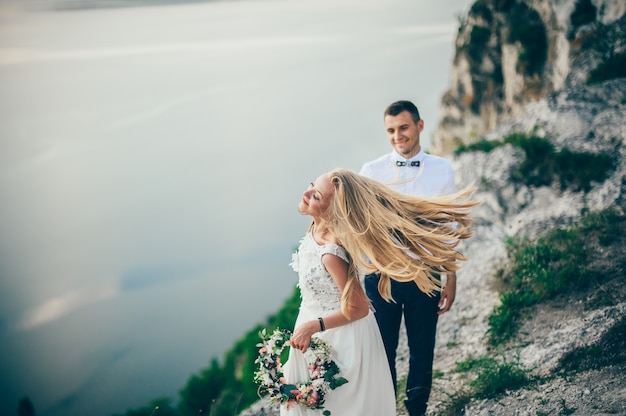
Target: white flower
x,y
318,383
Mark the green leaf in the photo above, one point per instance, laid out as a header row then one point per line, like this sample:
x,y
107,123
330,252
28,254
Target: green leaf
x,y
337,382
286,388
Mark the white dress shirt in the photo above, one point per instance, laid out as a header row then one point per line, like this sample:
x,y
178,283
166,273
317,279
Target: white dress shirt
x,y
433,177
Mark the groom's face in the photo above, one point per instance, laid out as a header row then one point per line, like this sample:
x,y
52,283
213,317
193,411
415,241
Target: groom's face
x,y
404,133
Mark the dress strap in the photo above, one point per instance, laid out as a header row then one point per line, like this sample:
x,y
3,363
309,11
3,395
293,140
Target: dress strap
x,y
335,249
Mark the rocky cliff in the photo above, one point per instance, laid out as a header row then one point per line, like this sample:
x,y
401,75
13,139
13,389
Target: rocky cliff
x,y
532,67
511,53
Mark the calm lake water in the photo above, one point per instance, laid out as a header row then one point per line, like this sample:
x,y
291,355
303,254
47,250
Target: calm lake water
x,y
151,162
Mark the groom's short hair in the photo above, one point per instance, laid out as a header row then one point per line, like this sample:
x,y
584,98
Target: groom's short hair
x,y
399,106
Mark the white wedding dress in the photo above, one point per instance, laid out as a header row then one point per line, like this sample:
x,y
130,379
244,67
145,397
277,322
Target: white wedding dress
x,y
357,347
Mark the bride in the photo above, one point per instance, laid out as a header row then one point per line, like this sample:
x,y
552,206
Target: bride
x,y
348,210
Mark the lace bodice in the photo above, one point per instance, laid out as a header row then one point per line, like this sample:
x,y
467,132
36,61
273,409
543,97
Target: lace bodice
x,y
319,292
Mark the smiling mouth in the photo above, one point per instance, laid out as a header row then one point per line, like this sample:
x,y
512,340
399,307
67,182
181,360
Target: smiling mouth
x,y
305,202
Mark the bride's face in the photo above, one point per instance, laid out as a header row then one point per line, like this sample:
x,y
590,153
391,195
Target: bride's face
x,y
317,197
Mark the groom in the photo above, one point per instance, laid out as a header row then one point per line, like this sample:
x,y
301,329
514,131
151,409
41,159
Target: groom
x,y
410,170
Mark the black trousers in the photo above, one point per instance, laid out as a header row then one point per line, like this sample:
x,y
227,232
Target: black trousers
x,y
420,317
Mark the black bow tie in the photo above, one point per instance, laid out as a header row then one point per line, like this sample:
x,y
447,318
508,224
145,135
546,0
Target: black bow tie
x,y
415,163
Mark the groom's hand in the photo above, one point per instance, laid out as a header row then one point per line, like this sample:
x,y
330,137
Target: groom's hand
x,y
448,294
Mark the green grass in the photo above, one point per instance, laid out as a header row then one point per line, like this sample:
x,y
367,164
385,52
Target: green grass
x,y
493,376
557,263
554,264
401,396
480,146
543,165
489,378
455,403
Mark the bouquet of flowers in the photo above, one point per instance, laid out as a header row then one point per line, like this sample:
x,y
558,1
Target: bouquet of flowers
x,y
323,372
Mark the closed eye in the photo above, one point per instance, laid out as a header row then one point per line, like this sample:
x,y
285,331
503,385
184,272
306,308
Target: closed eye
x,y
315,196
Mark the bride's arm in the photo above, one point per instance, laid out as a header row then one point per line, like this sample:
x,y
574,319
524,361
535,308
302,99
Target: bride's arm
x,y
358,305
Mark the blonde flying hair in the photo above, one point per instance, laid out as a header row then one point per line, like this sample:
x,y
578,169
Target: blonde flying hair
x,y
402,237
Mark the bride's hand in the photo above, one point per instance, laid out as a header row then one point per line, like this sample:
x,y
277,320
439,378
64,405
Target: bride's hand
x,y
301,338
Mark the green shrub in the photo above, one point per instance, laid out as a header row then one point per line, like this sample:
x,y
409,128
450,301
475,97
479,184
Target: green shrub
x,y
480,146
543,165
614,67
578,170
160,407
478,41
584,12
482,9
494,376
503,5
528,29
